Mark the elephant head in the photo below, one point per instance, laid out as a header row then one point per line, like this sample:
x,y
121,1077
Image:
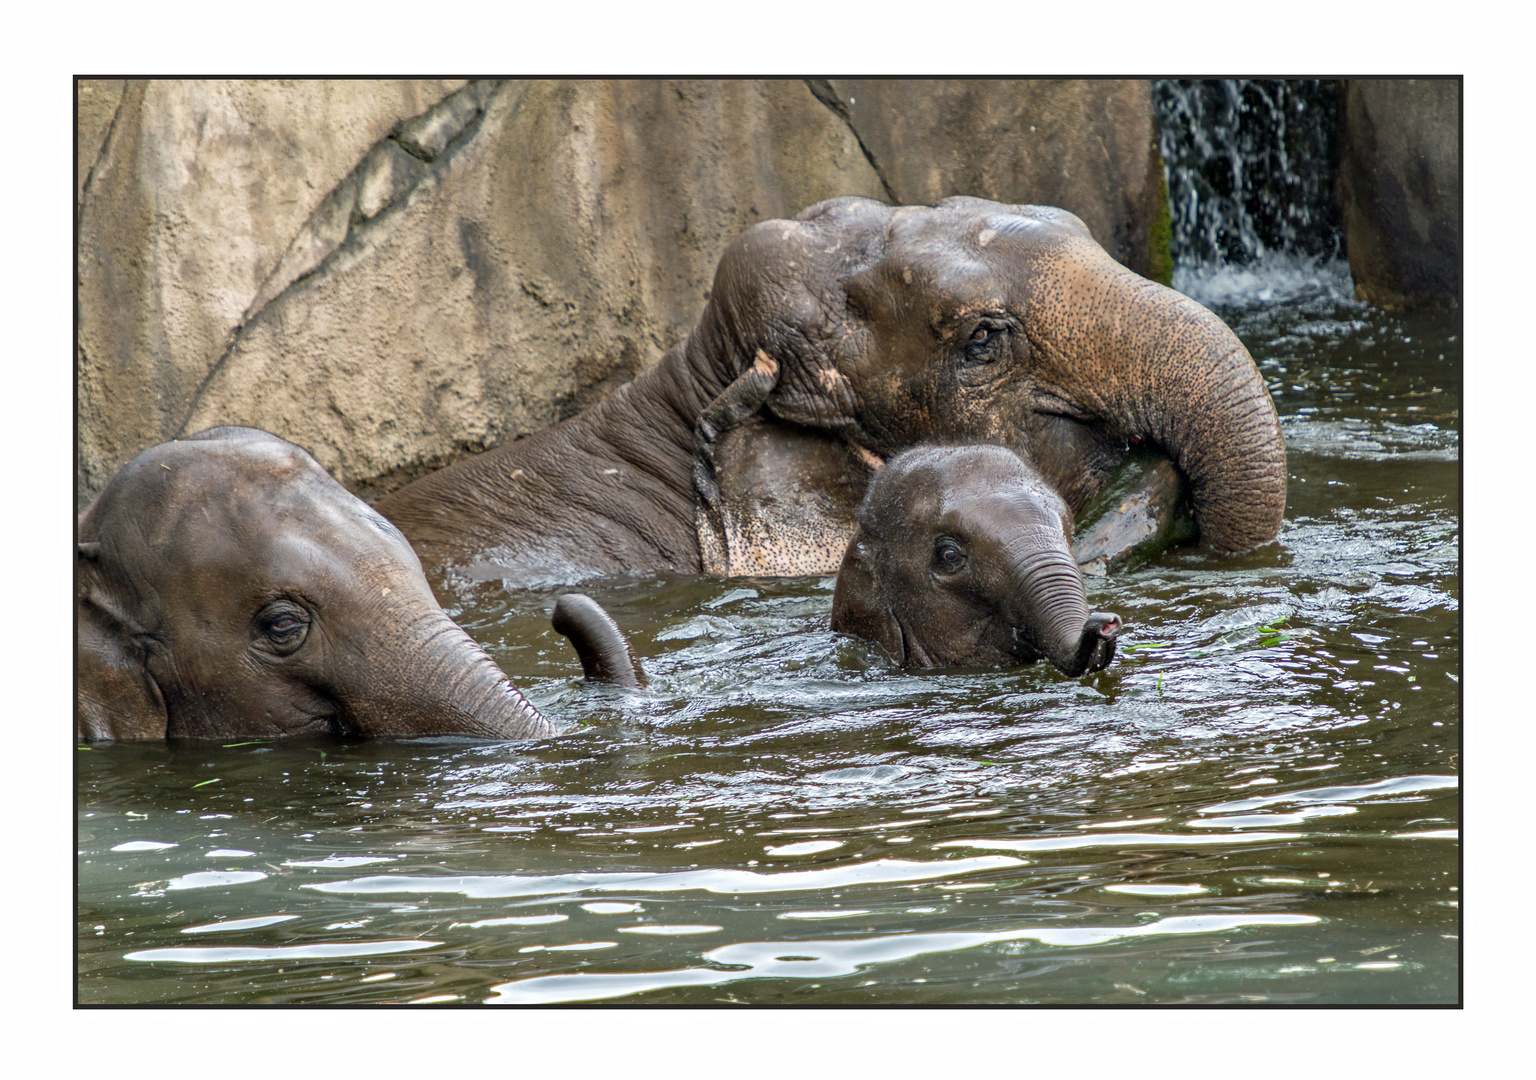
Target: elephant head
x,y
228,586
975,320
961,558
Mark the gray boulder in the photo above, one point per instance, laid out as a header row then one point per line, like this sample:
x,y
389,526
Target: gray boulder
x,y
1400,190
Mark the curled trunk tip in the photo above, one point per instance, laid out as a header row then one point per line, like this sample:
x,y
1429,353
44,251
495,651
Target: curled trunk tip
x,y
1095,647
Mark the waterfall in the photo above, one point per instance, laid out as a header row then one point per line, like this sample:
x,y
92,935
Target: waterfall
x,y
1251,165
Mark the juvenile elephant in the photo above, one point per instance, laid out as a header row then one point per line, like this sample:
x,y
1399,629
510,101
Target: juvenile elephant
x,y
834,340
962,558
228,586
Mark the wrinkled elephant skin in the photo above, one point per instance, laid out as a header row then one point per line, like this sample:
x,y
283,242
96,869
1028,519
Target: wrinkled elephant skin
x,y
228,586
962,558
831,342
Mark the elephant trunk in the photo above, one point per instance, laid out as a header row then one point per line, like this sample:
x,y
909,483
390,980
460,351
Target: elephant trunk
x,y
431,678
1047,606
1181,379
605,653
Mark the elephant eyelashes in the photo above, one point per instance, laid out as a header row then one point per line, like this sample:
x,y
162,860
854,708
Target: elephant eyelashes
x,y
948,556
282,627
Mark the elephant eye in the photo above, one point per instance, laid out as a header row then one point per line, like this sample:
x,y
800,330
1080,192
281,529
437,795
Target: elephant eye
x,y
282,626
982,347
948,555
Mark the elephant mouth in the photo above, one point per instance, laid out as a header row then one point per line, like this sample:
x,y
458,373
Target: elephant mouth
x,y
324,723
1093,651
1025,651
1100,633
913,652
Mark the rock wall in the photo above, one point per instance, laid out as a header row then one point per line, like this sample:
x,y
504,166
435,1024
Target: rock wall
x,y
1400,190
1083,147
395,273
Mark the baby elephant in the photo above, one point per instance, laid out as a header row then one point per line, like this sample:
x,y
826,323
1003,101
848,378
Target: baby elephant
x,y
961,559
228,586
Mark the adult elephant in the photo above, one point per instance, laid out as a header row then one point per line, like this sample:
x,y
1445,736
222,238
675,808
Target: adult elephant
x,y
836,339
227,586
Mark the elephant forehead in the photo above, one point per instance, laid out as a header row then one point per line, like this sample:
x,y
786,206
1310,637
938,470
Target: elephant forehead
x,y
943,488
1000,512
187,478
334,537
981,227
262,525
944,287
942,467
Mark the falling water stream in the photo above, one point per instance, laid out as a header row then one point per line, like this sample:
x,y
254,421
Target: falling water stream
x,y
1251,165
1257,802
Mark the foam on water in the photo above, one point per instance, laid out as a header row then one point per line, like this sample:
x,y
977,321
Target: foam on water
x,y
1275,278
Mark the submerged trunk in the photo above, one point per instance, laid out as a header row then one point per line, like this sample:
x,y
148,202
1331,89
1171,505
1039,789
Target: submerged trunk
x,y
1161,368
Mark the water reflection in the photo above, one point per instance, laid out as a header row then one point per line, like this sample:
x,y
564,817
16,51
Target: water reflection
x,y
735,882
844,957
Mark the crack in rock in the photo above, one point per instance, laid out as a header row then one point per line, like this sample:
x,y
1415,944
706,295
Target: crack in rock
x,y
342,228
88,185
388,175
425,137
823,92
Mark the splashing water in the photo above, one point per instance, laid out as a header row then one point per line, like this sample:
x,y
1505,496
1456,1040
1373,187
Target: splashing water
x,y
1250,166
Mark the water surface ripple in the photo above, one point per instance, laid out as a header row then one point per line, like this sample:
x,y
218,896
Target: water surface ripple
x,y
1257,802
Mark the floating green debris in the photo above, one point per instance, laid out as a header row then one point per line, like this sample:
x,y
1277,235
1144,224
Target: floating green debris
x,y
253,742
205,783
1272,634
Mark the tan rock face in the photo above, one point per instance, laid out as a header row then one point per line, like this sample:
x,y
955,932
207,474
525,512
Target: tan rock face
x,y
196,192
392,274
1400,190
1084,146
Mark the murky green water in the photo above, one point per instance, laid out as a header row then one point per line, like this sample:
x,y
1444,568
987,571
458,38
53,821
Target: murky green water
x,y
1257,802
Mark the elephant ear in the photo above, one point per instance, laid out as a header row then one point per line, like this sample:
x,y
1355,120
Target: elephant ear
x,y
784,504
777,471
858,603
115,697
779,289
